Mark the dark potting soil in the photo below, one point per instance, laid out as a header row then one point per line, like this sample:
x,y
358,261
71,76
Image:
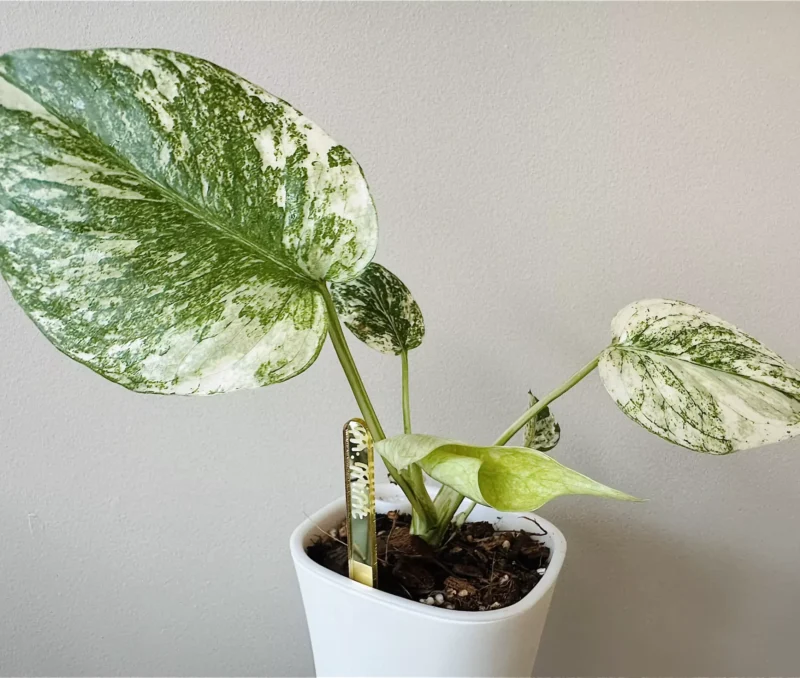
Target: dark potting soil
x,y
476,568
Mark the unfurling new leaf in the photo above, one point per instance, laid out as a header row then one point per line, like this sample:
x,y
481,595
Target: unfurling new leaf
x,y
505,478
379,309
697,380
543,431
168,223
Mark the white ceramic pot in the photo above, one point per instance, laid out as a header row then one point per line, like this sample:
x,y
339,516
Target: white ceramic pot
x,y
359,631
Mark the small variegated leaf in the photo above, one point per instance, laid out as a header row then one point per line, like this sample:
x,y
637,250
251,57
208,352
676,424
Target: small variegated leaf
x,y
378,308
697,380
505,478
543,431
168,223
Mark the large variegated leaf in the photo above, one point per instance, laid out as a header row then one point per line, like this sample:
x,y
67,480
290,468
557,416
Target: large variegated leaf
x,y
505,478
168,223
543,431
379,309
697,380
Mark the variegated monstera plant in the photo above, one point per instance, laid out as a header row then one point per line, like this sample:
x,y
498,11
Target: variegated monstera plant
x,y
179,230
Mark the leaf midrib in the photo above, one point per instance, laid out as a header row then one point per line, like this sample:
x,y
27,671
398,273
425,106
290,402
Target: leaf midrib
x,y
209,218
403,348
643,351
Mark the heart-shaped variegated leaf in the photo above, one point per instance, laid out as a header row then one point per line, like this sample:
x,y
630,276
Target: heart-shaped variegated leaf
x,y
505,478
543,431
168,223
378,308
697,380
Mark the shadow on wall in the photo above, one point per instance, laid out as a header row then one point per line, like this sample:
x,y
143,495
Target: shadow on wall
x,y
642,595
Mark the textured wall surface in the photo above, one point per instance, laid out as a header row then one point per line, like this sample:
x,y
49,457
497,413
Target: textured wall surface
x,y
535,168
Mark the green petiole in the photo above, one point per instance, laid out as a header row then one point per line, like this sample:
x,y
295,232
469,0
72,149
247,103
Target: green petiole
x,y
412,484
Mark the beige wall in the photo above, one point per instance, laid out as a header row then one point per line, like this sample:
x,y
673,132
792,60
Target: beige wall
x,y
535,167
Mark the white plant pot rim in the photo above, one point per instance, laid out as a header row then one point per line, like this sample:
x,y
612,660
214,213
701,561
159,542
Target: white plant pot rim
x,y
387,494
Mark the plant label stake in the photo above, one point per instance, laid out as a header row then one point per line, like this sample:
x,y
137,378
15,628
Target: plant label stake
x,y
359,473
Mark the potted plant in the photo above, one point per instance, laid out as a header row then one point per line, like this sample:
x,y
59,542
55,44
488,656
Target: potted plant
x,y
179,230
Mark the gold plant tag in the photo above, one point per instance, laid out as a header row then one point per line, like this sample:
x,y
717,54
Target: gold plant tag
x,y
359,472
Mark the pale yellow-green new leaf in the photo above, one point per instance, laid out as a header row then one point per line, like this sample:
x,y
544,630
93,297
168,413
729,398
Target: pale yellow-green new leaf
x,y
698,381
505,478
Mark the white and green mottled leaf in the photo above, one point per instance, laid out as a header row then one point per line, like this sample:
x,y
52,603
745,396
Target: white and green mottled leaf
x,y
167,223
505,478
697,380
543,431
379,309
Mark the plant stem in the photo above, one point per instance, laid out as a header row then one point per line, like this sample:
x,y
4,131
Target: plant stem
x,y
406,398
419,500
462,517
420,523
350,370
423,519
544,402
446,503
